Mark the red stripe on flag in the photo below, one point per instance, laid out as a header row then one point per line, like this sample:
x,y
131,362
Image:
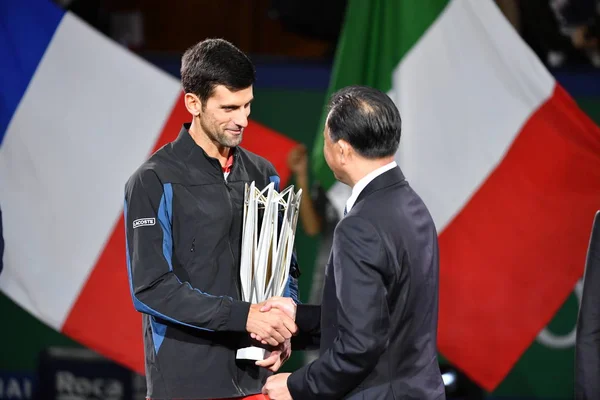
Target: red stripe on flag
x,y
103,317
511,257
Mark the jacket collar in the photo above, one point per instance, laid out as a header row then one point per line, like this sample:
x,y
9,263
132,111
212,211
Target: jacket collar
x,y
186,148
388,178
194,156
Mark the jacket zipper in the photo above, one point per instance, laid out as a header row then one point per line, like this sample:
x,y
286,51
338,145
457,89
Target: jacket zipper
x,y
237,275
237,280
228,189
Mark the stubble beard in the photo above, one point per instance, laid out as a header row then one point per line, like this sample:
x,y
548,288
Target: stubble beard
x,y
219,137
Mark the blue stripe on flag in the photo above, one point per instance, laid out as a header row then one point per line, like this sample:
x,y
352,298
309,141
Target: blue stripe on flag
x,y
26,28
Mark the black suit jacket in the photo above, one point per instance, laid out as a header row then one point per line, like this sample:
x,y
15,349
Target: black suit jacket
x,y
378,319
587,347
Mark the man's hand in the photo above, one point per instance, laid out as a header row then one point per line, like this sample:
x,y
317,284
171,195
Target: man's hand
x,y
277,357
581,40
285,304
297,160
276,387
272,327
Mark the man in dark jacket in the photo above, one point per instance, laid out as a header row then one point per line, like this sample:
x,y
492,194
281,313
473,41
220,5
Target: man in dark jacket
x,y
183,218
377,323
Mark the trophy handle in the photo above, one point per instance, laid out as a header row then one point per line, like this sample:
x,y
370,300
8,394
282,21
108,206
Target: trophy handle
x,y
264,243
247,251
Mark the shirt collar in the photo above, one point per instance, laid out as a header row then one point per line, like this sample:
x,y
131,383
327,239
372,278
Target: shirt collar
x,y
361,184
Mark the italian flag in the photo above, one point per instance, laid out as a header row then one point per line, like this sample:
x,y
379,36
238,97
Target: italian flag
x,y
507,163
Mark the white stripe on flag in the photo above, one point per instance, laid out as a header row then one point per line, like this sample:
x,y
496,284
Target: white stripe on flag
x,y
89,117
464,92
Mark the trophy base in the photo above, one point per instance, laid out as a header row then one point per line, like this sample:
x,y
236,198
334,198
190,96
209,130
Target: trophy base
x,y
251,354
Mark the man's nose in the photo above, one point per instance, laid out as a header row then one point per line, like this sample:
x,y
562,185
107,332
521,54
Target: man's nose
x,y
241,118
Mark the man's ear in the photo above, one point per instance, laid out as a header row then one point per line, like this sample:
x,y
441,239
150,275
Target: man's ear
x,y
193,104
345,150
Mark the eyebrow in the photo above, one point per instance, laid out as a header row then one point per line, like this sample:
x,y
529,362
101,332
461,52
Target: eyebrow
x,y
235,105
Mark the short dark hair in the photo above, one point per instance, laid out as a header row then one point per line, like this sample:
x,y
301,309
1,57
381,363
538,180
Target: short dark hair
x,y
367,119
214,62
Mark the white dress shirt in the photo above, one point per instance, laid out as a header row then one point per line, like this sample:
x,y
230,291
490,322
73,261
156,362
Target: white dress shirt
x,y
361,184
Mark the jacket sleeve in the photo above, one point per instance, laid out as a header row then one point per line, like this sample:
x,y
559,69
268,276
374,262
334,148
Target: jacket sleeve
x,y
291,289
155,289
359,265
308,320
587,345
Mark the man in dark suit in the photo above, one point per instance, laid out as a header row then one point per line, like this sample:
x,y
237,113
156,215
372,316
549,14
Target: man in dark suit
x,y
587,347
377,324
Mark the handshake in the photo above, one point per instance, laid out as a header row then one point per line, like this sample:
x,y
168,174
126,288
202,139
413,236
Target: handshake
x,y
272,322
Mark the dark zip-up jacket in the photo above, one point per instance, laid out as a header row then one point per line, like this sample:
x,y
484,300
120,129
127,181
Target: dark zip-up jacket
x,y
183,224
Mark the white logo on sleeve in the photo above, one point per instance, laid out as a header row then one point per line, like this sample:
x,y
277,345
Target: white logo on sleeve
x,y
143,222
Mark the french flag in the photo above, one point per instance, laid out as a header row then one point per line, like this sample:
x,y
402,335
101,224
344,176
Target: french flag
x,y
78,114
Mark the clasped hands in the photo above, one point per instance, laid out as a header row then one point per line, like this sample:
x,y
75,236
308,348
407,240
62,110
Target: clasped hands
x,y
272,322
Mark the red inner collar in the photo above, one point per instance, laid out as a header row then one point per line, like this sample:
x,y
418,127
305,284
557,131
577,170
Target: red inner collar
x,y
229,163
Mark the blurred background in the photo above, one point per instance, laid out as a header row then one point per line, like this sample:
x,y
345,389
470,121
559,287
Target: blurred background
x,y
293,44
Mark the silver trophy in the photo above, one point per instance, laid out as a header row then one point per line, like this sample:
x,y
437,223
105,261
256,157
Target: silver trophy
x,y
267,246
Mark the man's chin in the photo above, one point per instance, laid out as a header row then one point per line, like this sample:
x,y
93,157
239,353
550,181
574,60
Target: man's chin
x,y
235,143
232,141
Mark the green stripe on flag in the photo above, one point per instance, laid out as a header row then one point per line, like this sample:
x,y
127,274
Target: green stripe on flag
x,y
375,37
